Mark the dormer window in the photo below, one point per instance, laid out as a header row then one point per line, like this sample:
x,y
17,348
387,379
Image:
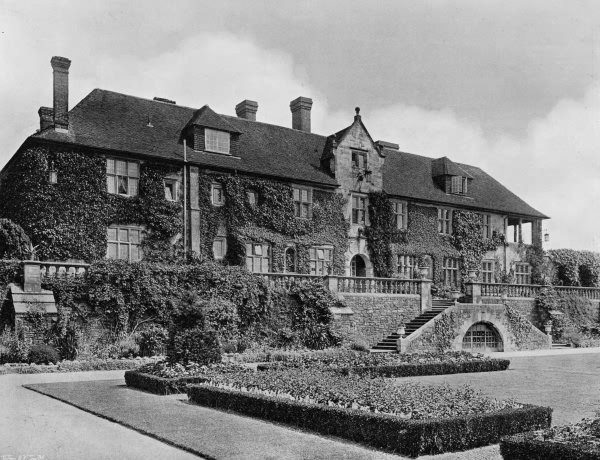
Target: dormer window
x,y
459,185
216,141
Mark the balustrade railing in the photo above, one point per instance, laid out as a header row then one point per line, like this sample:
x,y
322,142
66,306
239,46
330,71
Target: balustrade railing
x,y
510,290
586,292
52,269
287,280
353,284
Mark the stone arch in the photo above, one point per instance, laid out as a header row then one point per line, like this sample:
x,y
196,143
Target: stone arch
x,y
482,337
490,319
359,260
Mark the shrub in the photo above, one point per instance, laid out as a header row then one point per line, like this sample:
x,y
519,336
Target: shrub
x,y
67,341
152,340
360,345
124,348
13,240
13,347
159,385
194,345
43,354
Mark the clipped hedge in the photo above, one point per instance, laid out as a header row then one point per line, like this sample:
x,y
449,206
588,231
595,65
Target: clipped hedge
x,y
418,369
525,447
159,385
388,432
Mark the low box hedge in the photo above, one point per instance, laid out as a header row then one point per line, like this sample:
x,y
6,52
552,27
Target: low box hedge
x,y
526,447
388,432
417,369
159,385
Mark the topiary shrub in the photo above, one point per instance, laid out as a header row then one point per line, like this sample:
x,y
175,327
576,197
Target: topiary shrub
x,y
43,354
13,240
193,345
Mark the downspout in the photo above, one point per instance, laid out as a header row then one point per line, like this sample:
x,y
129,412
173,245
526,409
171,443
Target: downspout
x,y
184,197
505,243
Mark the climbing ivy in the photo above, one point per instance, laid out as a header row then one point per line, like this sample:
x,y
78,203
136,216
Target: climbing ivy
x,y
382,232
445,330
518,325
68,220
576,268
271,219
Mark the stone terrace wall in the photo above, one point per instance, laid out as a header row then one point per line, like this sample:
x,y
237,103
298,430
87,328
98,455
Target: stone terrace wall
x,y
372,317
525,306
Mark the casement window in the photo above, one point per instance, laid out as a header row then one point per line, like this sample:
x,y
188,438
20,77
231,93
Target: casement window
x,y
171,189
487,271
458,184
359,160
522,273
218,196
289,259
487,225
359,209
216,141
251,194
303,202
451,272
400,210
320,260
405,266
220,247
258,257
444,221
124,243
122,176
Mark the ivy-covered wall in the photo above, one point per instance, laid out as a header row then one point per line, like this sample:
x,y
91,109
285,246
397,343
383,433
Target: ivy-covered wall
x,y
422,238
68,220
270,220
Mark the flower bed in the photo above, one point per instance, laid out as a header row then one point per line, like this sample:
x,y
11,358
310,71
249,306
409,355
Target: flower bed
x,y
412,437
578,441
77,366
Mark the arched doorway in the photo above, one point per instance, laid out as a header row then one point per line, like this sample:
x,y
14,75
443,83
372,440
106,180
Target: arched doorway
x,y
482,337
358,267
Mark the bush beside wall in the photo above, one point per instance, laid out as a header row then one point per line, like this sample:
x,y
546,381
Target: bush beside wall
x,y
524,447
413,370
407,437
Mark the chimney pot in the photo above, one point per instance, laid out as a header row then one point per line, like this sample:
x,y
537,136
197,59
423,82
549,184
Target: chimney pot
x,y
300,108
247,109
61,65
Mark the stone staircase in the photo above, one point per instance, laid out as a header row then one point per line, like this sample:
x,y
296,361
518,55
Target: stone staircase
x,y
389,344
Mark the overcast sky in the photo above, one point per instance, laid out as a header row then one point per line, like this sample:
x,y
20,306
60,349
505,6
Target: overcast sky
x,y
510,86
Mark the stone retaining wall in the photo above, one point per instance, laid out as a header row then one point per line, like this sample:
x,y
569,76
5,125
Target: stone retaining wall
x,y
371,317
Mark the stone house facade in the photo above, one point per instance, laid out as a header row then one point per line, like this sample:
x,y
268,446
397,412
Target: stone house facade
x,y
123,135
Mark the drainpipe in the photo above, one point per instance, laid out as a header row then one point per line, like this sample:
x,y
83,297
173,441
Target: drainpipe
x,y
505,242
184,197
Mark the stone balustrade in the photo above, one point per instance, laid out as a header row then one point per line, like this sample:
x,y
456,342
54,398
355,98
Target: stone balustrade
x,y
509,290
287,280
586,292
352,284
52,269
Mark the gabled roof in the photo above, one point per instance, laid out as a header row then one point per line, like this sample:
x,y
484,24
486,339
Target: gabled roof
x,y
114,121
410,176
446,167
208,118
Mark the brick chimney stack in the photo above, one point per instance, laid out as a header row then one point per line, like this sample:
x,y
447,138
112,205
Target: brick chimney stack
x,y
247,109
61,65
46,117
300,108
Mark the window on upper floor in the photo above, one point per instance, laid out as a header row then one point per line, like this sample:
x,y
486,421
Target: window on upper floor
x,y
219,247
258,257
458,184
124,243
444,221
359,209
487,225
122,176
251,194
218,196
359,160
487,271
303,202
216,141
451,269
400,210
320,260
171,189
522,273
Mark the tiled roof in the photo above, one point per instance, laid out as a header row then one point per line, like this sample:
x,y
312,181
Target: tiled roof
x,y
410,176
115,121
446,167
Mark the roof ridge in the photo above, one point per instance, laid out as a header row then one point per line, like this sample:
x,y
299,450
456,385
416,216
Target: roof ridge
x,y
144,99
272,124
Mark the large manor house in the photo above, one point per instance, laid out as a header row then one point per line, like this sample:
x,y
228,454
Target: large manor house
x,y
134,179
